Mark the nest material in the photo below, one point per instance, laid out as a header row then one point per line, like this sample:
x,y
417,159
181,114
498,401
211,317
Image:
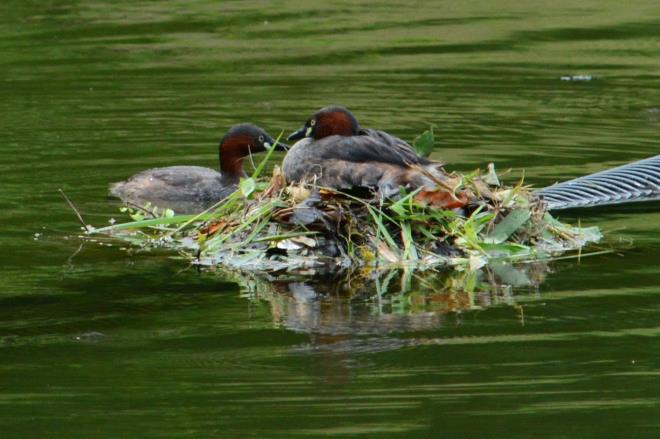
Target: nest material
x,y
466,222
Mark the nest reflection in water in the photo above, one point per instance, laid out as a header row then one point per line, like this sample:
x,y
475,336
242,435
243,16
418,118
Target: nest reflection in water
x,y
395,301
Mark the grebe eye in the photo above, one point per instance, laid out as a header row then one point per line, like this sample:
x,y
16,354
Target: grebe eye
x,y
312,122
261,139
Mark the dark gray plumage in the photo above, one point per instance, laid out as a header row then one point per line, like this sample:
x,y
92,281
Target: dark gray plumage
x,y
358,161
396,147
186,189
192,189
334,151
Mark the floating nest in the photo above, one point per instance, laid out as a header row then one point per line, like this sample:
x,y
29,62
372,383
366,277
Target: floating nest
x,y
468,222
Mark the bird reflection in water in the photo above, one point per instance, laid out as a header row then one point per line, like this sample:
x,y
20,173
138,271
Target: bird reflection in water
x,y
349,316
392,302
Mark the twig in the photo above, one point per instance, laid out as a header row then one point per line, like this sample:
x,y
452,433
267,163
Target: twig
x,y
69,261
80,218
197,216
254,167
136,206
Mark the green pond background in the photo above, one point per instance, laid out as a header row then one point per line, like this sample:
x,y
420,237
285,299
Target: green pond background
x,y
96,341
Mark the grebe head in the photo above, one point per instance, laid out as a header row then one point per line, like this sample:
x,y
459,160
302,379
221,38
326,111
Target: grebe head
x,y
328,121
240,142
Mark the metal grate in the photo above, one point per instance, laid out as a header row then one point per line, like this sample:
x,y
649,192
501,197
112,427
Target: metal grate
x,y
638,181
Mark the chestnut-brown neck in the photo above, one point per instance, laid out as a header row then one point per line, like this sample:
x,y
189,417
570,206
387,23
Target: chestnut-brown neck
x,y
232,153
335,123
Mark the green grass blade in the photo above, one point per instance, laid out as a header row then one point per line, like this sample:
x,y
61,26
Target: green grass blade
x,y
262,163
151,223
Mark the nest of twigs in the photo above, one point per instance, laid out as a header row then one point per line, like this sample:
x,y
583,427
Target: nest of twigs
x,y
467,222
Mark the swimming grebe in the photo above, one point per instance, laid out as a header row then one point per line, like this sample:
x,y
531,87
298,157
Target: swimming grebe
x,y
336,152
192,189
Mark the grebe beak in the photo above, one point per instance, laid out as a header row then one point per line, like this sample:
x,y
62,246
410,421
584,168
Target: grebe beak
x,y
278,146
301,133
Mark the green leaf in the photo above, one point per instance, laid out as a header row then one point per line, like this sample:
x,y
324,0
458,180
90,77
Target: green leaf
x,y
504,249
409,252
512,222
262,185
471,282
399,207
247,186
377,216
424,143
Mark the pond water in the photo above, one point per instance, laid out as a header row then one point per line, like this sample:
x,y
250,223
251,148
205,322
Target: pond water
x,y
96,341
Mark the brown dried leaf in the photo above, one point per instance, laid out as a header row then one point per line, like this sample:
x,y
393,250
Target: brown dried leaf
x,y
442,199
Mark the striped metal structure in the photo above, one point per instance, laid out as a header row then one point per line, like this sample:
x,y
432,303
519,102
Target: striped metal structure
x,y
637,181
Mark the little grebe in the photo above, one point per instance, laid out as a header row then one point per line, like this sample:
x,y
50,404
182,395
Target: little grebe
x,y
336,152
192,189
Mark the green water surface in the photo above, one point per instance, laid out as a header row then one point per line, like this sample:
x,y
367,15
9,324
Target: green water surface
x,y
100,341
